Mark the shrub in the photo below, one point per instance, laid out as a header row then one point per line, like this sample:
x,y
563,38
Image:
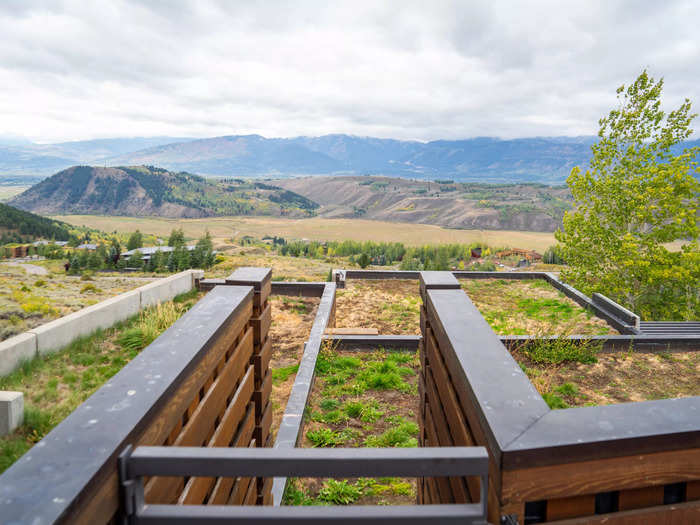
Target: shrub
x,y
339,492
560,350
325,437
554,401
403,435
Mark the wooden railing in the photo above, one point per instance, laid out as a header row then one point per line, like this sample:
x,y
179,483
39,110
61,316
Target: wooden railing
x,y
205,382
626,463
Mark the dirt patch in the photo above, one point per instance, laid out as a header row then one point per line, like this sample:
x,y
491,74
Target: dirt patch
x,y
391,306
531,307
361,399
618,377
292,318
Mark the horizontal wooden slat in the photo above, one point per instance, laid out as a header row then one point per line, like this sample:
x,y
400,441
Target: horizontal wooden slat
x,y
676,514
261,325
640,498
262,395
262,431
570,507
459,490
198,428
591,477
261,359
101,502
197,488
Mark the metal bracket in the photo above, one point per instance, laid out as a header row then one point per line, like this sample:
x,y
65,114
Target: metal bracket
x,y
131,490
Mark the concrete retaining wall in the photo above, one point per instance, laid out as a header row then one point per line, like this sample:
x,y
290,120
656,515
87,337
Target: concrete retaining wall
x,y
16,349
57,334
165,289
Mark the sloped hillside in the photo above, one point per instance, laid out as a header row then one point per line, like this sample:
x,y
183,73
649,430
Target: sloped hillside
x,y
149,191
527,207
21,226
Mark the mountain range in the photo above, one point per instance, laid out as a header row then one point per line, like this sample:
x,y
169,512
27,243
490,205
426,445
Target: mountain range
x,y
545,160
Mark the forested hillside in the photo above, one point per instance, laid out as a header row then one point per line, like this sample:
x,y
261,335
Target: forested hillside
x,y
150,191
21,226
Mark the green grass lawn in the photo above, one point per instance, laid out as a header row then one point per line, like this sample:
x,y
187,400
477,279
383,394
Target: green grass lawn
x,y
56,384
360,399
530,307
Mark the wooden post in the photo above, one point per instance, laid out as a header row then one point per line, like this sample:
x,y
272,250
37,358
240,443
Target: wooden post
x,y
261,281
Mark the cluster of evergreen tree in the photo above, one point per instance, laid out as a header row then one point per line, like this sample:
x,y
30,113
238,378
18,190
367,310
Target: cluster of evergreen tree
x,y
427,257
179,259
23,226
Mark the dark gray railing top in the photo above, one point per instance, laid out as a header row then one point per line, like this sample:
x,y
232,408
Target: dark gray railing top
x,y
521,427
508,402
43,484
300,462
292,419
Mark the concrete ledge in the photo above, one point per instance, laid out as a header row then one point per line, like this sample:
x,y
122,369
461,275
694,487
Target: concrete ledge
x,y
167,288
11,411
16,349
61,332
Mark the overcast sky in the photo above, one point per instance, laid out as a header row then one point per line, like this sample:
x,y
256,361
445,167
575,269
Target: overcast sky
x,y
422,70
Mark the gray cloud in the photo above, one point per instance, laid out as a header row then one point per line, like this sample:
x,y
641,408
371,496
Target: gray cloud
x,y
71,69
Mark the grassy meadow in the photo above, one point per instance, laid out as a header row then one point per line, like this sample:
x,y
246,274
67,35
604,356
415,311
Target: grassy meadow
x,y
223,229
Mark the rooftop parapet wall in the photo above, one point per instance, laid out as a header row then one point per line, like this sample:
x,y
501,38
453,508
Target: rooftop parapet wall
x,y
193,386
556,463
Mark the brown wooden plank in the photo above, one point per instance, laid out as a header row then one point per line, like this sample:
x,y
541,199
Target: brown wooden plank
x,y
261,325
463,395
197,489
640,498
240,489
214,402
692,490
560,508
100,502
458,485
262,396
264,490
252,494
443,486
459,429
261,360
235,412
676,514
175,432
591,477
165,488
262,431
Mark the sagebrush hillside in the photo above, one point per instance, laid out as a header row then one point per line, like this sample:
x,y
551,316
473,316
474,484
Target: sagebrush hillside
x,y
470,205
149,191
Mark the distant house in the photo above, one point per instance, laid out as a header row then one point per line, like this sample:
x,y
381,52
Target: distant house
x,y
148,251
46,243
87,246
